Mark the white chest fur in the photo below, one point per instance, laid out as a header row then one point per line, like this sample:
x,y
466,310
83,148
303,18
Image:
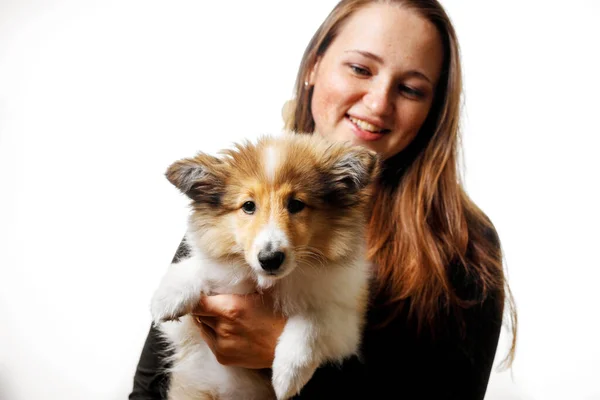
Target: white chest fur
x,y
325,308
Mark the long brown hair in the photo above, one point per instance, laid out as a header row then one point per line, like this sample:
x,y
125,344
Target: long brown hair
x,y
425,232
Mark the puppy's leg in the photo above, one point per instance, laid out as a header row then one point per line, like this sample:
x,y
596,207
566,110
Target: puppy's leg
x,y
296,356
308,342
179,290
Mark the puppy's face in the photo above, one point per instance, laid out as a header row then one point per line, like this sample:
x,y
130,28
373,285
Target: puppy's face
x,y
273,222
283,203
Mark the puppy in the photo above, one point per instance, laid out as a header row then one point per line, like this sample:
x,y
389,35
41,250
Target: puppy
x,y
288,214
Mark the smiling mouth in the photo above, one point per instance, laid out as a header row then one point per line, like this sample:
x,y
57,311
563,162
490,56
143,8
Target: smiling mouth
x,y
365,126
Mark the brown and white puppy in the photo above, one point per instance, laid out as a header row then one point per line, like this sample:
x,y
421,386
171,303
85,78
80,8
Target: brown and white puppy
x,y
286,213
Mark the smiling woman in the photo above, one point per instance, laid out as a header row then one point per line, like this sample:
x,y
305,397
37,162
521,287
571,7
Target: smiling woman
x,y
386,75
376,86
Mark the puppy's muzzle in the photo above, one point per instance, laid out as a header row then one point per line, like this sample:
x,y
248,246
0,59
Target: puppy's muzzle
x,y
270,261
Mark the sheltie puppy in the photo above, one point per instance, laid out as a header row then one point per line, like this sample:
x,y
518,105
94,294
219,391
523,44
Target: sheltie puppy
x,y
287,213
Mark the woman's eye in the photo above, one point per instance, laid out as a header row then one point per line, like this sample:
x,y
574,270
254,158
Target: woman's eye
x,y
410,92
358,70
249,207
295,206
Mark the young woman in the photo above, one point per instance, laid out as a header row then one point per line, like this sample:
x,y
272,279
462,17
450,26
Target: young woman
x,y
386,75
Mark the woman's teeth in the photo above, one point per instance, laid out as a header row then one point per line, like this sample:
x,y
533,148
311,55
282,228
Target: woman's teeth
x,y
365,125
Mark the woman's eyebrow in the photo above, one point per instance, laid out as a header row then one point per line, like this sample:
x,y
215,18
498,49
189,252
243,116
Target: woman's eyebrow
x,y
378,59
367,54
419,74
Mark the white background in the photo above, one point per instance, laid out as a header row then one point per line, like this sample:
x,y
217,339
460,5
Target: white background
x,y
98,98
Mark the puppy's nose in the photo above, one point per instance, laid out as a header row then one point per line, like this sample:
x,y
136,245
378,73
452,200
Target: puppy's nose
x,y
270,260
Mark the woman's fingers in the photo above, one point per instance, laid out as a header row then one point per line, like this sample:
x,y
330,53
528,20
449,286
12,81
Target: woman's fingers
x,y
206,320
228,306
207,333
240,330
206,308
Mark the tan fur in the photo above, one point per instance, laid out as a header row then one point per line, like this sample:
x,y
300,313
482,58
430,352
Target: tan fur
x,y
243,174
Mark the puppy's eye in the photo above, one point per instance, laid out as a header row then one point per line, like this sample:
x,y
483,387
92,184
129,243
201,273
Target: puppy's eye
x,y
295,206
249,207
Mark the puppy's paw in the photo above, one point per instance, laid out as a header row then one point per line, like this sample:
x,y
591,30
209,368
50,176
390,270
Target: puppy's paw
x,y
289,380
168,305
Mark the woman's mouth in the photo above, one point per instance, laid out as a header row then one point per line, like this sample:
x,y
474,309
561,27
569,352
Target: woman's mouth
x,y
365,130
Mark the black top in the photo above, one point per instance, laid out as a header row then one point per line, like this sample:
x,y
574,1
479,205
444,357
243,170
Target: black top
x,y
395,363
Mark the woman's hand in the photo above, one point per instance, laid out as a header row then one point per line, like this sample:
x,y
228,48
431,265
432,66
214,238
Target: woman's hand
x,y
241,330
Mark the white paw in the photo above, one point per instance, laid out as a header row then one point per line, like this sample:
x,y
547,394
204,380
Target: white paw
x,y
288,381
168,305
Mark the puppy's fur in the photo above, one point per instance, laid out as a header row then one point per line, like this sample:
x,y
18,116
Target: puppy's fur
x,y
287,213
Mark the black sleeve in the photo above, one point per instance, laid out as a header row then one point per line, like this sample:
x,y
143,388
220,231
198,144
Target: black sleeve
x,y
150,381
461,363
346,381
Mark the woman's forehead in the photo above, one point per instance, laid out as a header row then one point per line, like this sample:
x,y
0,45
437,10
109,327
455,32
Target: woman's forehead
x,y
400,37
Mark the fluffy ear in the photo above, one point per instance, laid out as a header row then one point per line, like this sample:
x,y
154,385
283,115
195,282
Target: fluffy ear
x,y
353,170
201,178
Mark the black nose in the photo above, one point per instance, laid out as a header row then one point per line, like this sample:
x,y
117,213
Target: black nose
x,y
270,260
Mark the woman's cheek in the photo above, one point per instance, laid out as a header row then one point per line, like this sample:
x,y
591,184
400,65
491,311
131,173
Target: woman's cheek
x,y
331,100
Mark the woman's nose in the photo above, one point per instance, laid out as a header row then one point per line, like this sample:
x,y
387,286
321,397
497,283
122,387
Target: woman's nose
x,y
378,99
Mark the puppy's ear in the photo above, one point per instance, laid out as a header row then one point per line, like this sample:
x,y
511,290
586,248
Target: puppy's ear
x,y
201,178
353,169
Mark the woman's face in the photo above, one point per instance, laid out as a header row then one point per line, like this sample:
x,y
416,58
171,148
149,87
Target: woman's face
x,y
375,83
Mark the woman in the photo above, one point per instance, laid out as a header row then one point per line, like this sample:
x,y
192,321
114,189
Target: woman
x,y
386,75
